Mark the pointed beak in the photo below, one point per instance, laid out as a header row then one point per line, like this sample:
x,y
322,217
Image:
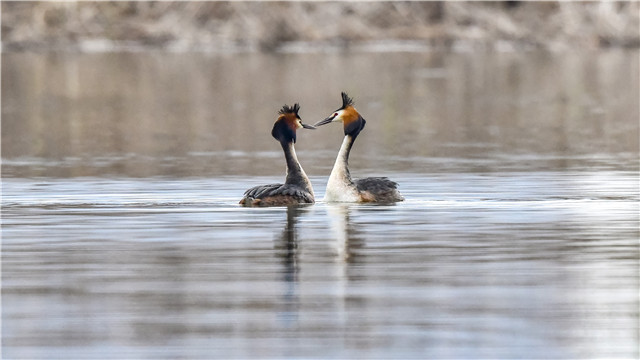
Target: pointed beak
x,y
307,126
325,121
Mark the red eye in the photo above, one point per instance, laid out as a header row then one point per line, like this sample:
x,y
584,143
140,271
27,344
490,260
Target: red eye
x,y
336,114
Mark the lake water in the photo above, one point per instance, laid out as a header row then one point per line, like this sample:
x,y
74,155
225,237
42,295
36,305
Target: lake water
x,y
122,237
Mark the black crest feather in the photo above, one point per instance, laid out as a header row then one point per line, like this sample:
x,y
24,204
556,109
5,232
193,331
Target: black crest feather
x,y
346,100
286,109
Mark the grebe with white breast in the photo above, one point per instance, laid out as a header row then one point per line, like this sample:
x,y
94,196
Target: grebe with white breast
x,y
340,187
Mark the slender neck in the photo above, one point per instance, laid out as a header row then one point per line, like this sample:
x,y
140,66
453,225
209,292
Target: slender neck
x,y
295,174
341,166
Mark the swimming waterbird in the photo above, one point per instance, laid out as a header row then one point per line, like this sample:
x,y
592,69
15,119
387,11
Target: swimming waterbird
x,y
297,187
340,187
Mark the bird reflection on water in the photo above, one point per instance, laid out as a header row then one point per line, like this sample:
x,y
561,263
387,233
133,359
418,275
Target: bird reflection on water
x,y
286,247
346,236
345,239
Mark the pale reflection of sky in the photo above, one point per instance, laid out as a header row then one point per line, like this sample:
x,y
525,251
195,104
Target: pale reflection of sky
x,y
122,236
468,272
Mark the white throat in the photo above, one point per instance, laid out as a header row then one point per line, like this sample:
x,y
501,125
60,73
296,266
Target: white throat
x,y
340,188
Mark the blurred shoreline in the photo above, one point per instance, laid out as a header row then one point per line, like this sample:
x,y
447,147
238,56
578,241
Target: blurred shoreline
x,y
228,27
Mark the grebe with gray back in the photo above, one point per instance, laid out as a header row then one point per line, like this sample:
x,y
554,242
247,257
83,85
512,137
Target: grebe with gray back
x,y
297,187
340,187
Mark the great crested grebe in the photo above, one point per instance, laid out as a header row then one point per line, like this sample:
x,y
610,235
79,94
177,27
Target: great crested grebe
x,y
340,187
297,187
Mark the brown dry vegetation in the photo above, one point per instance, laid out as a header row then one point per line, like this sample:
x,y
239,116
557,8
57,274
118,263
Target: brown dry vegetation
x,y
272,26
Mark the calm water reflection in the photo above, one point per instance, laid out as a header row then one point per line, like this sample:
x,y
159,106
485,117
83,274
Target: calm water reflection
x,y
122,237
150,114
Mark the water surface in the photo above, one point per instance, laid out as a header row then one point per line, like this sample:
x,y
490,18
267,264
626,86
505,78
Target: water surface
x,y
122,237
